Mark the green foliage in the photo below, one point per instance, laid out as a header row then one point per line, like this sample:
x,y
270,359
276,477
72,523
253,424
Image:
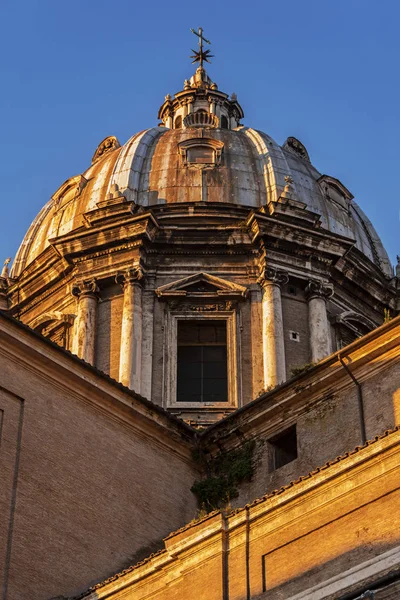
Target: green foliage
x,y
224,473
386,315
303,369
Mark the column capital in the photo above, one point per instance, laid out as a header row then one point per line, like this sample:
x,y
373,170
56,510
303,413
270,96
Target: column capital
x,y
131,275
86,288
272,276
318,289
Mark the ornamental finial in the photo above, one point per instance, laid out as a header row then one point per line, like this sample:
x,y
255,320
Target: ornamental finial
x,y
201,55
4,272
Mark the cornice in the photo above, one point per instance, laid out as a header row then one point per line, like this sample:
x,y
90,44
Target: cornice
x,y
318,239
82,242
22,306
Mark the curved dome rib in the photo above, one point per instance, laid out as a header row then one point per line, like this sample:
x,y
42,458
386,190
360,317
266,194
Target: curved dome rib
x,y
253,171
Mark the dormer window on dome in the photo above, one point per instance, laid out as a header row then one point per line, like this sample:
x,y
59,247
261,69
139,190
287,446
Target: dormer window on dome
x,y
335,191
204,152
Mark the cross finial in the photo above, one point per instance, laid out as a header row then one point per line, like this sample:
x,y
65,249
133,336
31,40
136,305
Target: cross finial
x,y
201,55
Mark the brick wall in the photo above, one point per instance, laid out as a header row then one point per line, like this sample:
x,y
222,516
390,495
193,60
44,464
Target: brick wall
x,y
89,476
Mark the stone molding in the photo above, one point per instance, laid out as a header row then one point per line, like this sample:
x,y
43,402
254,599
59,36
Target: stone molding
x,y
181,289
52,317
86,288
319,289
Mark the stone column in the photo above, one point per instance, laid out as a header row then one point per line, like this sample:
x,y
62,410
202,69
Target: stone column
x,y
85,322
130,360
317,294
272,327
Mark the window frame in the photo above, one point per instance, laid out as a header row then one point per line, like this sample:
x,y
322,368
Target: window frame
x,y
216,146
171,354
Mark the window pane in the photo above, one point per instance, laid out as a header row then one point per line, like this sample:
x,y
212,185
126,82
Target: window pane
x,y
200,154
202,361
214,370
215,387
214,354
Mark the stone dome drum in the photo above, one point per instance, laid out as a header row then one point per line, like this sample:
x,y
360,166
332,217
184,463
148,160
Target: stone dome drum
x,y
245,167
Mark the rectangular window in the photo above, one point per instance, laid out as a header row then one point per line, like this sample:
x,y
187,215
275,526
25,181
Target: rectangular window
x,y
201,155
202,361
284,448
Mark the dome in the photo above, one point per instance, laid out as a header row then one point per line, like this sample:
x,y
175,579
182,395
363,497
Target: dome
x,y
201,246
202,162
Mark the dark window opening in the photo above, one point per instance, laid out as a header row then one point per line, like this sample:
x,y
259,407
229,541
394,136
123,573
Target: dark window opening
x,y
292,290
224,122
202,362
350,331
284,448
178,122
200,154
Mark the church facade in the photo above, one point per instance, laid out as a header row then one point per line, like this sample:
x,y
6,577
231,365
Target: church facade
x,y
193,322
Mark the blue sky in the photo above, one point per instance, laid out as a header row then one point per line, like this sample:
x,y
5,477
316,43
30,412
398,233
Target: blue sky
x,y
324,71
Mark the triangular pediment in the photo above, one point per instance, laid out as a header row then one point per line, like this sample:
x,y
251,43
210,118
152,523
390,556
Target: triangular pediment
x,y
201,284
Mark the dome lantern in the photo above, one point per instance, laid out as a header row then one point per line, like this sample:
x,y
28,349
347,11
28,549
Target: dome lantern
x,y
200,96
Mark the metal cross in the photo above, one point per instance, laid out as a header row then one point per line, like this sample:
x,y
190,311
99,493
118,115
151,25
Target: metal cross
x,y
201,55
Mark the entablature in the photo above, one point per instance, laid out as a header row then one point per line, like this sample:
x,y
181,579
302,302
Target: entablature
x,y
318,239
143,226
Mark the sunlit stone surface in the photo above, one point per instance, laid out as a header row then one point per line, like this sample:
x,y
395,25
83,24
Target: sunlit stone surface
x,y
225,298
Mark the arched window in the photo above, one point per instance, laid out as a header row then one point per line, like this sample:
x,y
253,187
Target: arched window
x,y
224,122
350,326
201,110
54,326
178,122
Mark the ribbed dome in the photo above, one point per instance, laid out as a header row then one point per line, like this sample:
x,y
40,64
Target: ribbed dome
x,y
247,168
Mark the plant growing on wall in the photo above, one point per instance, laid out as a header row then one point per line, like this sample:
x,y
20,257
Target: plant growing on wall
x,y
224,472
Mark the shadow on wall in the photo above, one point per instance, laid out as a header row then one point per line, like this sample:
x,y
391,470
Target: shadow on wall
x,y
353,571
